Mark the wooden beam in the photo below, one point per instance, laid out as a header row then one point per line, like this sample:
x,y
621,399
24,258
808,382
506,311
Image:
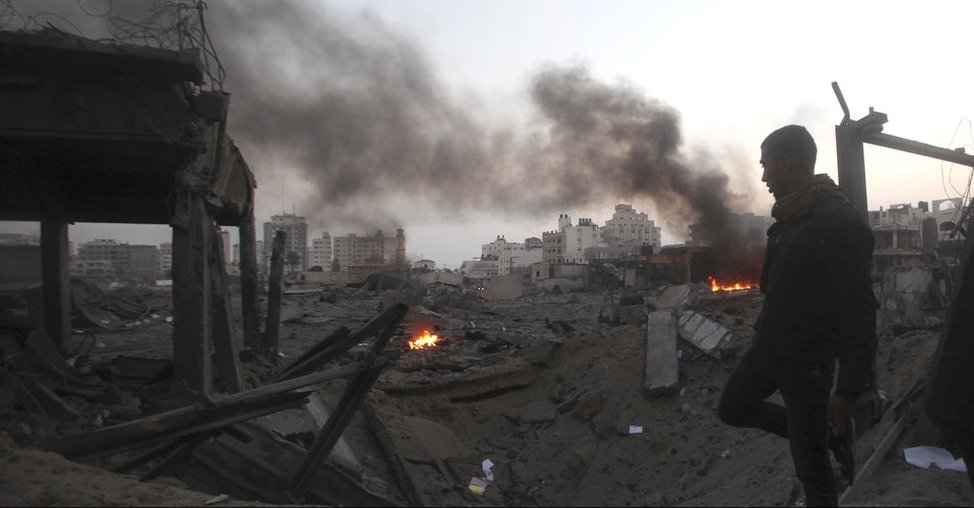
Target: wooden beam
x,y
275,295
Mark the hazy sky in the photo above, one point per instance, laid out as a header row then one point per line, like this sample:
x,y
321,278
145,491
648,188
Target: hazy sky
x,y
731,71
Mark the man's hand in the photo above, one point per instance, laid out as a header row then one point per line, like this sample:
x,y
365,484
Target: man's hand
x,y
839,412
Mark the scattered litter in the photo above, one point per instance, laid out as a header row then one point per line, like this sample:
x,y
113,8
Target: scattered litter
x,y
155,316
926,457
635,429
101,345
725,454
679,354
683,392
477,485
169,319
218,499
488,474
282,354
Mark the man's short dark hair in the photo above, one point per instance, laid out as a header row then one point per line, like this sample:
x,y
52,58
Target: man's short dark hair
x,y
791,141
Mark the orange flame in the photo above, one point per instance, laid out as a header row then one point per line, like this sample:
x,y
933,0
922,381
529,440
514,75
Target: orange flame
x,y
736,286
426,341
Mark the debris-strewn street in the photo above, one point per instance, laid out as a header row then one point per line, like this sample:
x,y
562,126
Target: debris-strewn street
x,y
551,389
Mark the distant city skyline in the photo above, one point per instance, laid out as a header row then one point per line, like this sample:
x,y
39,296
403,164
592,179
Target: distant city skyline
x,y
159,234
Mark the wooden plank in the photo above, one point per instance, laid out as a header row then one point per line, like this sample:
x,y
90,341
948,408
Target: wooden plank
x,y
275,294
191,228
227,358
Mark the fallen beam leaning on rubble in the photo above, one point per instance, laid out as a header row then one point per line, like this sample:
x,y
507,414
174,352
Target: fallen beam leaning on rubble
x,y
356,392
197,417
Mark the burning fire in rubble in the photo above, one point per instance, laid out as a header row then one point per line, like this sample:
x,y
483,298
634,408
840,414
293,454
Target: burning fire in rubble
x,y
732,286
425,341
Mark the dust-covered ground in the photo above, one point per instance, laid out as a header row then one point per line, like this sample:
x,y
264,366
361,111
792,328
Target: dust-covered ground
x,y
548,387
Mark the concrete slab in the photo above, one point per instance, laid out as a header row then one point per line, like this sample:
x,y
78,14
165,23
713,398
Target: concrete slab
x,y
708,336
662,364
673,298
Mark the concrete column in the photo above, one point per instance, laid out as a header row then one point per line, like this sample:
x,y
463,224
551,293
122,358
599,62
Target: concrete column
x,y
274,297
55,278
191,231
851,164
250,311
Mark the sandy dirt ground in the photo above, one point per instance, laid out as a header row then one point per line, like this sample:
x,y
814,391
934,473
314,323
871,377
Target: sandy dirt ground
x,y
558,428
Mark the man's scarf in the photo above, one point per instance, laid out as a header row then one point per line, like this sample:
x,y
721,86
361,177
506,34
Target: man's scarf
x,y
798,203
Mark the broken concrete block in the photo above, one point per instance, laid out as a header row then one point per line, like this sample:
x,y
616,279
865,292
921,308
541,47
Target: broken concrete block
x,y
674,297
708,336
662,364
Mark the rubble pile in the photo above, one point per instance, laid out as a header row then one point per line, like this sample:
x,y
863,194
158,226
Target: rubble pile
x,y
578,398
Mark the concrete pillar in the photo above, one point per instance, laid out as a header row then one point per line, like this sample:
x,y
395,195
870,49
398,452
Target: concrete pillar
x,y
250,311
851,164
274,297
191,231
227,360
55,278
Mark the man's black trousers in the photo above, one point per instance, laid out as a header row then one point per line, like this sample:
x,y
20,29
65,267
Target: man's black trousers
x,y
805,390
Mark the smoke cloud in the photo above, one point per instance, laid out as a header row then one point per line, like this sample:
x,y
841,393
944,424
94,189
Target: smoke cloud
x,y
360,112
354,114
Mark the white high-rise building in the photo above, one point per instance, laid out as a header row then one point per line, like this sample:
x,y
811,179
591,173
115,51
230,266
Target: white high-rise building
x,y
510,255
297,236
631,230
321,252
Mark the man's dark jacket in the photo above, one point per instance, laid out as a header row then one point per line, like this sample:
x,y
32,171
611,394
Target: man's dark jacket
x,y
819,303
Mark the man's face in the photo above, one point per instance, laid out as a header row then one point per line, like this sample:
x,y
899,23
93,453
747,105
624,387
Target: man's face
x,y
774,173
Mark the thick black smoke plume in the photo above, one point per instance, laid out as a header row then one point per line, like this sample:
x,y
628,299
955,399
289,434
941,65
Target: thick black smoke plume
x,y
357,111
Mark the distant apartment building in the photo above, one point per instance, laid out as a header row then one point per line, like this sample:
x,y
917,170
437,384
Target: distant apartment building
x,y
631,231
165,260
568,243
511,255
92,269
479,269
132,262
898,231
553,246
297,237
370,250
322,252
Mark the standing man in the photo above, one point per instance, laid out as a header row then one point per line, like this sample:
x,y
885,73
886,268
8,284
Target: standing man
x,y
819,306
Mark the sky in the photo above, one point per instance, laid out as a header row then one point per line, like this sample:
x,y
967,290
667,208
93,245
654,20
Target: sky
x,y
486,78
